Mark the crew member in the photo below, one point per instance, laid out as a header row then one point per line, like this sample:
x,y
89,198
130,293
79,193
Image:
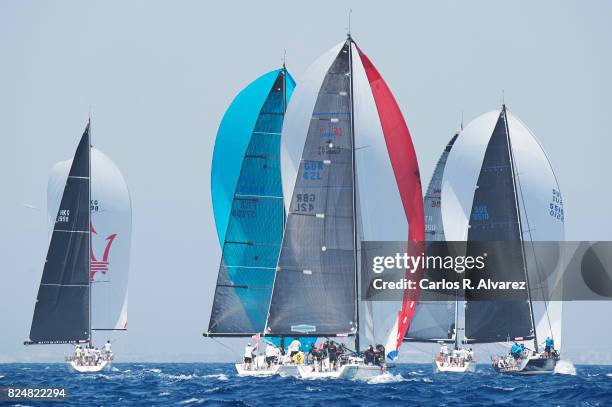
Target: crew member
x,y
332,352
549,346
249,353
107,350
78,353
368,355
516,351
270,354
379,355
294,348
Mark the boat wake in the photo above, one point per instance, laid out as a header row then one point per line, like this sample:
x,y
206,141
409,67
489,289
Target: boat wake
x,y
565,367
218,376
192,400
384,378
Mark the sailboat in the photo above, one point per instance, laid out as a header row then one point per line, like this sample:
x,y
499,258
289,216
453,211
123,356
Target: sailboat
x,y
349,174
438,318
250,215
84,283
499,186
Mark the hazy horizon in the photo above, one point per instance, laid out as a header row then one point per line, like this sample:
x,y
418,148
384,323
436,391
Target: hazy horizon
x,y
157,77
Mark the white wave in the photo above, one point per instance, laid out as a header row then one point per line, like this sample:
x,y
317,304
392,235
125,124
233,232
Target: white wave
x,y
504,388
192,401
385,378
219,376
609,374
2,376
163,394
182,377
114,369
154,370
565,367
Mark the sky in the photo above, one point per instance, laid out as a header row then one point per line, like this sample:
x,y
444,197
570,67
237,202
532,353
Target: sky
x,y
157,77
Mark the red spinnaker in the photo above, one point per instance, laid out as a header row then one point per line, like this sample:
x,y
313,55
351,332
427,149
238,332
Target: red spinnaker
x,y
406,169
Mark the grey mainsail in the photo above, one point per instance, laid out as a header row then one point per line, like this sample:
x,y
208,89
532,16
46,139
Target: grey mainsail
x,y
434,318
495,218
62,310
314,290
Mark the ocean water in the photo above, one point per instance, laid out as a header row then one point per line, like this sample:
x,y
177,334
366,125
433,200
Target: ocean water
x,y
187,384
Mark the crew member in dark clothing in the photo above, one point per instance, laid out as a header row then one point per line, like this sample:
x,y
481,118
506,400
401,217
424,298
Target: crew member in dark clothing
x,y
368,355
316,355
379,355
332,352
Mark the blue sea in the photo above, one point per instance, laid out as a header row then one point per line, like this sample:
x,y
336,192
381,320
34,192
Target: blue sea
x,y
187,384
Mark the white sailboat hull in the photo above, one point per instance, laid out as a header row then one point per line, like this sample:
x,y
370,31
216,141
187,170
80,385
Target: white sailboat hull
x,y
102,366
440,367
349,371
282,370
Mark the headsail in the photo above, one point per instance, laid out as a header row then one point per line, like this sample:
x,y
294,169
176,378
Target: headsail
x,y
111,224
250,218
62,310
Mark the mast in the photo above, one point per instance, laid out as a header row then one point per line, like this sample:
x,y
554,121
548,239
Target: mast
x,y
89,226
520,226
352,106
456,319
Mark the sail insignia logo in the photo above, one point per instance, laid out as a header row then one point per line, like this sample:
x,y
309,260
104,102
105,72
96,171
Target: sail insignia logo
x,y
63,215
102,265
303,328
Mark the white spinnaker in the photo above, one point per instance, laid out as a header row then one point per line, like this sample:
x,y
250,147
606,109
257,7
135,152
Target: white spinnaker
x,y
536,182
111,219
297,119
461,174
382,216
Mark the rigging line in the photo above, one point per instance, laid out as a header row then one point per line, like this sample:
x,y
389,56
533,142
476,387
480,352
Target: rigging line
x,y
520,226
535,260
222,344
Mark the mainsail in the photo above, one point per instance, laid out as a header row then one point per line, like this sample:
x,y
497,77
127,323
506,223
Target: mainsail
x,y
110,228
434,319
62,310
344,143
248,202
495,217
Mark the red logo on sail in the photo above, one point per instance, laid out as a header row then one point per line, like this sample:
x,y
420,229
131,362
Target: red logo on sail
x,y
100,265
